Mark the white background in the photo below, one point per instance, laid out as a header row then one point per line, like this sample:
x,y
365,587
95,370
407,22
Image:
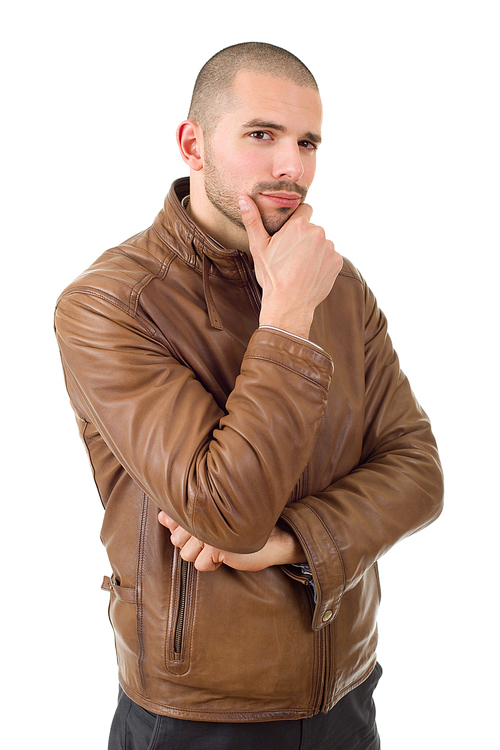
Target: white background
x,y
407,187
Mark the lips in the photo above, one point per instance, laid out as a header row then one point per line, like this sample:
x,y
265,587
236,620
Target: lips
x,y
282,198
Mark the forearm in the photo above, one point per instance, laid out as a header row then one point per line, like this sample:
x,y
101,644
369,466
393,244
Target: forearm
x,y
215,470
348,526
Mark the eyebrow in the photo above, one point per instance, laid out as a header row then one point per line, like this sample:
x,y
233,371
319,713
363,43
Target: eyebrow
x,y
313,137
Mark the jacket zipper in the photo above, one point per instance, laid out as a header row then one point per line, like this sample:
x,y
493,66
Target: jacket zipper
x,y
185,566
300,489
256,296
181,612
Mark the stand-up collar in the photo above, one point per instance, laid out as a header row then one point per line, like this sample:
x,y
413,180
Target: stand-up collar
x,y
177,230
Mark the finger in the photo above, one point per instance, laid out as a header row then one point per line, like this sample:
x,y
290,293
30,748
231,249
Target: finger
x,y
180,537
208,559
191,549
304,210
166,520
252,221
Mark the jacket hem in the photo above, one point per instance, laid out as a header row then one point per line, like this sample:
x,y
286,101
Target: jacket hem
x,y
238,717
328,706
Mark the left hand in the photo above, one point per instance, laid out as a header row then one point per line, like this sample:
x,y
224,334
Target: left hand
x,y
282,548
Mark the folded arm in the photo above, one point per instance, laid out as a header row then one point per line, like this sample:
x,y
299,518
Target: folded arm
x,y
223,475
396,489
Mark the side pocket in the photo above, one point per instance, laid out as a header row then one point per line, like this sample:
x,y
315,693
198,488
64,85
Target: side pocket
x,y
124,594
180,619
181,609
123,617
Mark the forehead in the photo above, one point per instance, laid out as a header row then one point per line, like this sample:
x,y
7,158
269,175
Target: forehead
x,y
269,97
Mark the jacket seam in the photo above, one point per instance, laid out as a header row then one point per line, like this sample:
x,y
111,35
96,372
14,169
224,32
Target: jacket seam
x,y
86,442
355,275
190,261
333,541
202,712
140,286
139,576
334,700
288,367
123,270
117,302
310,345
161,246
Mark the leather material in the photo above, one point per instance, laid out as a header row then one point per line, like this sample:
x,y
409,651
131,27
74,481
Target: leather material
x,y
185,405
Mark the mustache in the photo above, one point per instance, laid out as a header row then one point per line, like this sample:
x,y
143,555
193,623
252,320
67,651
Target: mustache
x,y
291,187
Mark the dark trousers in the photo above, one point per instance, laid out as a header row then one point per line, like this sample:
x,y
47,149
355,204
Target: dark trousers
x,y
350,725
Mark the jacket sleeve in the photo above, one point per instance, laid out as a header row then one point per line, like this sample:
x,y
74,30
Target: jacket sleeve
x,y
396,489
225,476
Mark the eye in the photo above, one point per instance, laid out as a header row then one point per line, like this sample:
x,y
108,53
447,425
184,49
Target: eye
x,y
260,135
309,145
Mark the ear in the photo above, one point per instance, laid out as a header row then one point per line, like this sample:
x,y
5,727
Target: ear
x,y
190,142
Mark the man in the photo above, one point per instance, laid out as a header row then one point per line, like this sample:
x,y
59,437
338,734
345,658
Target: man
x,y
253,440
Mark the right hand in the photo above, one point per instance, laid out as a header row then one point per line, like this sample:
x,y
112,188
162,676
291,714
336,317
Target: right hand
x,y
296,267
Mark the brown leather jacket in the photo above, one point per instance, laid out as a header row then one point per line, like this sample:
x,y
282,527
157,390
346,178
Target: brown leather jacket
x,y
185,405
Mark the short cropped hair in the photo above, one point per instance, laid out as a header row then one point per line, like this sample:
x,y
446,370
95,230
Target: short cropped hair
x,y
213,93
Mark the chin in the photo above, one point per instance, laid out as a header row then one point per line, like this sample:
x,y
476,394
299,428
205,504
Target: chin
x,y
273,224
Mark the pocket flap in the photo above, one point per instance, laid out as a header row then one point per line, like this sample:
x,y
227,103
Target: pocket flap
x,y
124,594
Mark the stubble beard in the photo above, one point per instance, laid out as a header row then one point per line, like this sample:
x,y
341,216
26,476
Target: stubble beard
x,y
226,201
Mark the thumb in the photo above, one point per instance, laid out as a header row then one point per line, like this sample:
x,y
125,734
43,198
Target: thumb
x,y
252,221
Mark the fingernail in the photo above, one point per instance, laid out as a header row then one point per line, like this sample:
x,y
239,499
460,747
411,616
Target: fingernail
x,y
243,204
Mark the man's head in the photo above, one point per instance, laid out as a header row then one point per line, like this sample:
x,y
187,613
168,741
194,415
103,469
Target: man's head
x,y
253,128
213,93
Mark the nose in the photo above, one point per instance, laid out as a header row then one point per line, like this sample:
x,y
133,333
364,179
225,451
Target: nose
x,y
288,163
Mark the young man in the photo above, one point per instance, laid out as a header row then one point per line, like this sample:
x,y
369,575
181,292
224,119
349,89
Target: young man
x,y
253,440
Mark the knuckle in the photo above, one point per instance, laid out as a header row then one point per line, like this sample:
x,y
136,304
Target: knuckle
x,y
317,234
299,220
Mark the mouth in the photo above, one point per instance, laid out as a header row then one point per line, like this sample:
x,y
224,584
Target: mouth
x,y
282,198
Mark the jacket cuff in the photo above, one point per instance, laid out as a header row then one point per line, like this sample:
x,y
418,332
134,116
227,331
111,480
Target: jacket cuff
x,y
300,338
324,560
293,353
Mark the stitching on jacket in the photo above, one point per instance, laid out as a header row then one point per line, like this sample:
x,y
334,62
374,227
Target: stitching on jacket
x,y
189,261
350,271
287,367
310,345
249,284
143,234
333,540
351,686
194,504
176,709
112,301
86,442
122,268
141,285
140,606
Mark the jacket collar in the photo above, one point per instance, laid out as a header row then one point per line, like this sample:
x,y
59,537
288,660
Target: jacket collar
x,y
178,231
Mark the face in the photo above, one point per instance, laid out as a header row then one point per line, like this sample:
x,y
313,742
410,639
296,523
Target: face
x,y
266,148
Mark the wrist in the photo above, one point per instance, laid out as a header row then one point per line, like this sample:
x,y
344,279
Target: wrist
x,y
287,547
293,321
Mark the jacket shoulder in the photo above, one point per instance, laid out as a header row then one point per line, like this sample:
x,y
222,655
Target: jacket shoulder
x,y
122,272
351,272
